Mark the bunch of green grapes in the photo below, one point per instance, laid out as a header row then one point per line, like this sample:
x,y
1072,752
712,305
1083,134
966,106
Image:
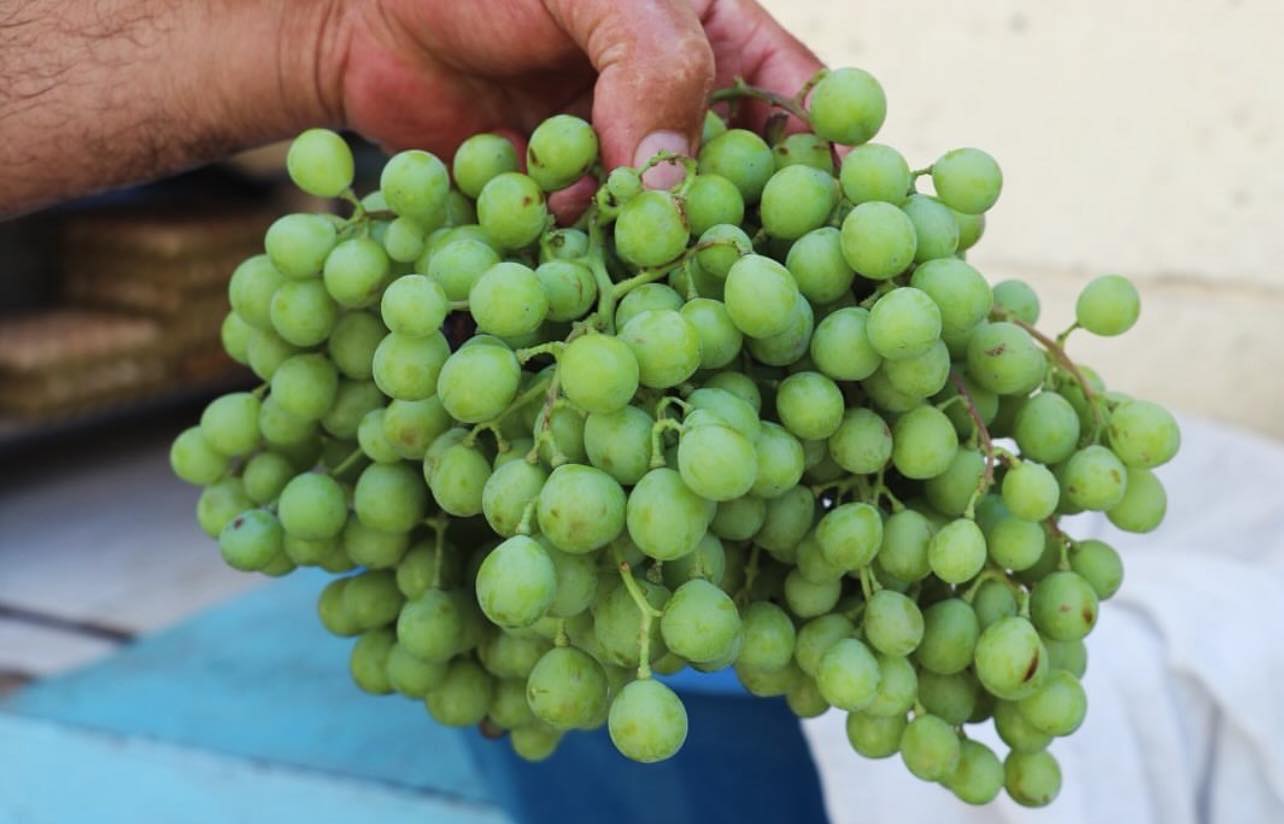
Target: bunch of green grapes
x,y
768,419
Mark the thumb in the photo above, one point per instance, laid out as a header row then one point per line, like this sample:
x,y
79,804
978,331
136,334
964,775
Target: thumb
x,y
655,67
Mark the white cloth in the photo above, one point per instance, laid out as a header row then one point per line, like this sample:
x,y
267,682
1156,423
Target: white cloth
x,y
1185,675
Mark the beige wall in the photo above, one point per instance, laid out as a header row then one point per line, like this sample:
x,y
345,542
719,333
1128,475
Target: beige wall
x,y
1143,137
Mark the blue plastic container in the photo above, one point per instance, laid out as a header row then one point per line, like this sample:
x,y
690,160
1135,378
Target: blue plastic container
x,y
744,761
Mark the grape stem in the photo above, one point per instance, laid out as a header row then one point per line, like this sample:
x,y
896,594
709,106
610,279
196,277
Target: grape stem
x,y
868,586
1058,353
657,439
647,612
986,442
260,391
459,305
438,525
536,389
881,491
346,463
751,576
1064,540
740,90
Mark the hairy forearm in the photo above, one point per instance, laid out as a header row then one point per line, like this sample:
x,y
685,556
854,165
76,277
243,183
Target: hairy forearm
x,y
99,93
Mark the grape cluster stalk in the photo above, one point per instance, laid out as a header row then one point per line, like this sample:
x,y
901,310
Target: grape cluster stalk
x,y
769,419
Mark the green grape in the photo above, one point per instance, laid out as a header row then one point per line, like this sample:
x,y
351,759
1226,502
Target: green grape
x,y
356,271
1030,490
958,290
617,623
281,428
930,748
950,634
875,172
967,180
459,264
897,688
850,535
352,344
1003,358
194,459
796,200
903,323
320,163
509,708
463,697
406,368
978,777
561,150
390,497
414,305
768,683
1071,656
251,288
812,564
1093,478
1032,779
712,200
352,401
841,348
790,345
893,623
957,551
511,210
598,373
1108,306
297,246
622,185
875,736
720,340
936,230
569,289
769,637
708,562
577,582
878,240
230,424
1010,659
566,426
904,550
1046,428
1059,707
251,540
581,508
650,230
508,300
431,625
234,334
804,699
480,158
457,476
848,675
700,622
647,721
742,157
816,637
1143,434
373,548
317,553
922,375
219,503
924,443
717,462
847,106
953,698
409,427
665,518
507,494
666,346
516,582
404,240
415,185
810,405
731,408
267,351
1063,606
303,313
1099,564
817,263
410,676
806,150
305,385
567,689
647,296
1018,299
534,742
785,519
780,461
712,127
509,655
620,443
1015,731
951,492
739,385
478,383
1015,543
720,247
368,663
971,228
759,294
331,611
313,507
808,599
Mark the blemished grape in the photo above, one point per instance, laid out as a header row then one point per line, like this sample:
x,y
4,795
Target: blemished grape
x,y
768,419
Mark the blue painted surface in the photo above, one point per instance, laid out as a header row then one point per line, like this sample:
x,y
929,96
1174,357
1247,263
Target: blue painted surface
x,y
54,774
259,679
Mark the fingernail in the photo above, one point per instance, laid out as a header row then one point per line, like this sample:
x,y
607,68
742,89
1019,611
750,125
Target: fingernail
x,y
663,175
